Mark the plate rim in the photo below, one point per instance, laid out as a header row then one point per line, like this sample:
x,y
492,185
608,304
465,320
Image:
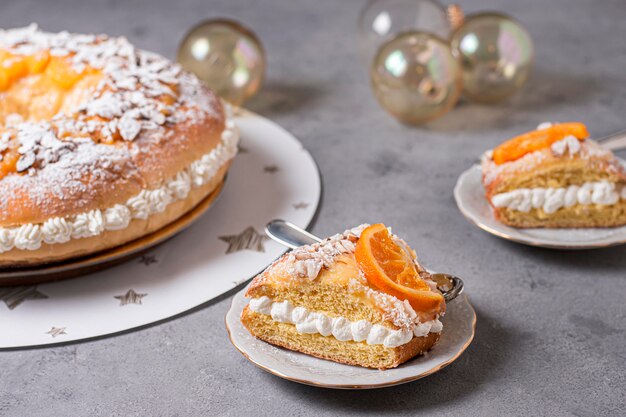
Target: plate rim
x,y
503,235
405,380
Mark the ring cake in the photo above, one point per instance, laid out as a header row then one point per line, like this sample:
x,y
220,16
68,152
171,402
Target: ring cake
x,y
555,177
100,143
358,298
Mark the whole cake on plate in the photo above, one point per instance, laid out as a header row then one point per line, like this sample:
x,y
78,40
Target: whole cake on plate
x,y
555,177
358,298
100,143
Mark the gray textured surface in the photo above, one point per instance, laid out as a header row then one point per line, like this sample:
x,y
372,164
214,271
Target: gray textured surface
x,y
551,330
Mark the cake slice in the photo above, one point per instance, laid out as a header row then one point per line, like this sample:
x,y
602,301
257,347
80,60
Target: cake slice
x,y
358,298
555,177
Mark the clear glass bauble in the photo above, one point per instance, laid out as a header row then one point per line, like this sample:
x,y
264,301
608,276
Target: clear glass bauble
x,y
228,57
496,55
415,77
381,20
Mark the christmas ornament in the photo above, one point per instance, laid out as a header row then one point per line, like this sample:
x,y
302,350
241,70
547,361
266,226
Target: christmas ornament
x,y
415,77
228,57
381,20
455,16
496,56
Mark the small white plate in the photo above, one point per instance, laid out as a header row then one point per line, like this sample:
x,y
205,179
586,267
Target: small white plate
x,y
459,324
470,197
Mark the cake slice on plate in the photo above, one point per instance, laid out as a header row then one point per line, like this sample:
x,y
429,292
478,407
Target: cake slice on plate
x,y
358,298
555,177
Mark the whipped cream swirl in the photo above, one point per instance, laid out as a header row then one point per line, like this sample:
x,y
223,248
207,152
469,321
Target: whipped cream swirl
x,y
342,329
551,199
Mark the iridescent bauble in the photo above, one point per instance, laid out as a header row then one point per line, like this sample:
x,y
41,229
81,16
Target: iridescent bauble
x,y
381,20
415,77
496,55
228,57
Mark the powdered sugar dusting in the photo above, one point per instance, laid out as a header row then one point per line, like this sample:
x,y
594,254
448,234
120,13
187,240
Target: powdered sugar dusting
x,y
133,85
569,145
66,157
307,261
66,177
400,313
139,90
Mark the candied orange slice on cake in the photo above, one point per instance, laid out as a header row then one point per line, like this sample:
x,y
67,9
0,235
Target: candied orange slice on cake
x,y
388,265
537,139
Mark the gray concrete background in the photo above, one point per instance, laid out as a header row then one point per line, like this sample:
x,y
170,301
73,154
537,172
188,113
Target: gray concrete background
x,y
551,336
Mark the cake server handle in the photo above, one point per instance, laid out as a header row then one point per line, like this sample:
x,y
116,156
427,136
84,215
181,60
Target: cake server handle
x,y
614,142
288,234
292,236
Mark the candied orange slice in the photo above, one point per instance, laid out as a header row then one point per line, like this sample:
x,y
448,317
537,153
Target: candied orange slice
x,y
537,139
61,73
38,62
390,268
8,163
57,71
14,67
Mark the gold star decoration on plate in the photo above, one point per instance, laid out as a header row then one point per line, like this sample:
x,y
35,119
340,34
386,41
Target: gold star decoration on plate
x,y
14,296
56,331
131,297
301,205
271,169
147,260
248,239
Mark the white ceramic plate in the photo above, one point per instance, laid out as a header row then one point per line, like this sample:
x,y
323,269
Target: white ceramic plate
x,y
470,197
458,331
272,177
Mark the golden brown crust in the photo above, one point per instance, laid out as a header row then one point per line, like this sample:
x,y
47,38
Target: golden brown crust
x,y
142,164
111,238
327,347
183,143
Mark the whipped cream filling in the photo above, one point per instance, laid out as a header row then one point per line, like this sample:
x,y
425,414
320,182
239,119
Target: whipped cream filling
x,y
30,236
552,199
308,322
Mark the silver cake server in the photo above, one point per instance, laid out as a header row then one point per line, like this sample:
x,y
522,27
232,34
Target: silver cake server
x,y
614,142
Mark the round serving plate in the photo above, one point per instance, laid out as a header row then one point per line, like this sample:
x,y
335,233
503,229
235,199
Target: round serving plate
x,y
273,176
459,325
470,198
107,258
